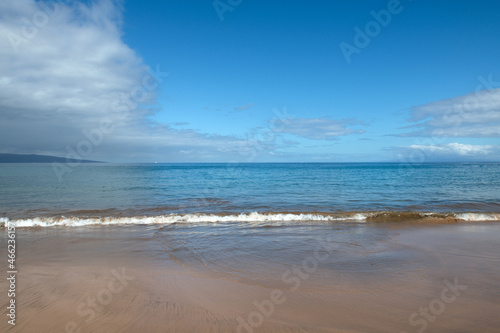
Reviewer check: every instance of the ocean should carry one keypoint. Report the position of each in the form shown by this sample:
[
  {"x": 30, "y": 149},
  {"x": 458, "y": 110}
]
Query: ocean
[{"x": 33, "y": 195}]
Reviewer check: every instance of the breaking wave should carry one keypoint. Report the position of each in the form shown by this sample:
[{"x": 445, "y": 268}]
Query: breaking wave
[{"x": 360, "y": 217}]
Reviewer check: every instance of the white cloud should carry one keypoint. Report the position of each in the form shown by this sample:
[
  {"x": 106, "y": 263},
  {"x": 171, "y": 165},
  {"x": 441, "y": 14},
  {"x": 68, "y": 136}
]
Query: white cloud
[
  {"x": 473, "y": 115},
  {"x": 446, "y": 152},
  {"x": 65, "y": 75},
  {"x": 456, "y": 149},
  {"x": 69, "y": 71}
]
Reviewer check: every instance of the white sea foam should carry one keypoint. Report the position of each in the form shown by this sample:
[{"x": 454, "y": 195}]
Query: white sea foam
[
  {"x": 213, "y": 218},
  {"x": 479, "y": 216},
  {"x": 187, "y": 218}
]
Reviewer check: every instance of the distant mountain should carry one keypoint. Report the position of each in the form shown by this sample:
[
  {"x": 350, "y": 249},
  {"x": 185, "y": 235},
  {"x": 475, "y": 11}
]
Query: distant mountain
[{"x": 33, "y": 158}]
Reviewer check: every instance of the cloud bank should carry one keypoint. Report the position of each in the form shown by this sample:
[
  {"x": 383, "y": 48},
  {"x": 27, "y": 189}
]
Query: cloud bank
[{"x": 68, "y": 79}]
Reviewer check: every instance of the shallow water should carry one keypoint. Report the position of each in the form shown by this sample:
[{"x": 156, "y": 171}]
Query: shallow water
[{"x": 285, "y": 253}]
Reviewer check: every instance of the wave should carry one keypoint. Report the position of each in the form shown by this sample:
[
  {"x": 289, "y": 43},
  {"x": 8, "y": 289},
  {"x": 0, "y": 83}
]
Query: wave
[{"x": 376, "y": 217}]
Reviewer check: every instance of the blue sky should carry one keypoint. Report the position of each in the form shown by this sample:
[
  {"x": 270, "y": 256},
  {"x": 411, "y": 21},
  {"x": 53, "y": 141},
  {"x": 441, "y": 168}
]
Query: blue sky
[{"x": 251, "y": 81}]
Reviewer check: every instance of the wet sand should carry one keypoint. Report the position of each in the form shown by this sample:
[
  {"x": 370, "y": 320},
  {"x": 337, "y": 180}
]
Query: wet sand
[{"x": 319, "y": 277}]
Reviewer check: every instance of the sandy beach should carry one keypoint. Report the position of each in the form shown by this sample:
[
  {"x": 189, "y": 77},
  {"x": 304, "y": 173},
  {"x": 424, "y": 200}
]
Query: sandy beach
[{"x": 409, "y": 278}]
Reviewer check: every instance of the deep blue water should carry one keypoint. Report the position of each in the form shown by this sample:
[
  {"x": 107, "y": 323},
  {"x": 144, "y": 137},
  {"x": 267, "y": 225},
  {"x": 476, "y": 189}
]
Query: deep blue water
[{"x": 28, "y": 190}]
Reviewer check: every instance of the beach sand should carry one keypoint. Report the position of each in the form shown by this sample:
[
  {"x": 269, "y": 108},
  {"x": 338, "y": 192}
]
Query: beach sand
[{"x": 409, "y": 278}]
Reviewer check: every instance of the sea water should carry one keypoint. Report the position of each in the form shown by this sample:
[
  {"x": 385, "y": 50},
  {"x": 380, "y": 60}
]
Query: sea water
[{"x": 33, "y": 195}]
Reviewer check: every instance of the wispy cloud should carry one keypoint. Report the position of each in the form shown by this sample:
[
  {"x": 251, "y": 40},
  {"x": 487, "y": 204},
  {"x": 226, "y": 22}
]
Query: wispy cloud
[
  {"x": 473, "y": 115},
  {"x": 319, "y": 128},
  {"x": 243, "y": 107}
]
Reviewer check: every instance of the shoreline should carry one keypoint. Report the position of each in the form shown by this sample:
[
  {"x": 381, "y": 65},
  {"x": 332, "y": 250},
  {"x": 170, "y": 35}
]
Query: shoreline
[{"x": 85, "y": 218}]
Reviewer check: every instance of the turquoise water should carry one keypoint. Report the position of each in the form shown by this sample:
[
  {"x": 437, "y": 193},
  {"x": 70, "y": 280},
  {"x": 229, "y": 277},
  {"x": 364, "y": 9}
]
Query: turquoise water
[{"x": 28, "y": 191}]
